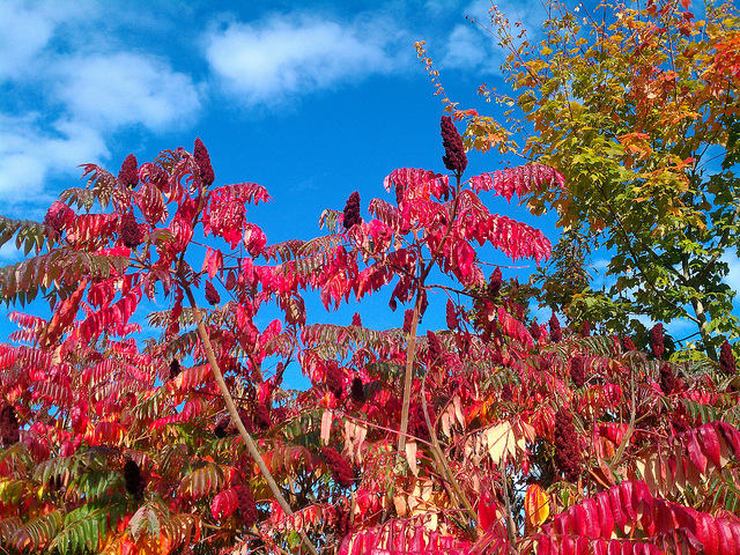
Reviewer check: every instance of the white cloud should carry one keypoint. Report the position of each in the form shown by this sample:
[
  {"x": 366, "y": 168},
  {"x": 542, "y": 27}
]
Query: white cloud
[
  {"x": 82, "y": 92},
  {"x": 470, "y": 47},
  {"x": 124, "y": 88},
  {"x": 283, "y": 57},
  {"x": 29, "y": 153},
  {"x": 466, "y": 48},
  {"x": 27, "y": 29}
]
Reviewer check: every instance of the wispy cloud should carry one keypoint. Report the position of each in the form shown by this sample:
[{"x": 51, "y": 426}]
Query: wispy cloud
[
  {"x": 122, "y": 88},
  {"x": 82, "y": 92},
  {"x": 29, "y": 152},
  {"x": 470, "y": 47},
  {"x": 284, "y": 57}
]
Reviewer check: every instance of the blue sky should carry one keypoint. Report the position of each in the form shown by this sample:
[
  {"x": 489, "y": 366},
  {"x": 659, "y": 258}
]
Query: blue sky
[{"x": 311, "y": 99}]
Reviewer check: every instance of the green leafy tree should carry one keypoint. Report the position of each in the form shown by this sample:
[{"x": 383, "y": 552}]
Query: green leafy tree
[{"x": 637, "y": 108}]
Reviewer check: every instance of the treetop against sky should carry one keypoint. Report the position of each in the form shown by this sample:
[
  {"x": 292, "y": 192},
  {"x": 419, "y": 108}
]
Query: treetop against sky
[{"x": 312, "y": 101}]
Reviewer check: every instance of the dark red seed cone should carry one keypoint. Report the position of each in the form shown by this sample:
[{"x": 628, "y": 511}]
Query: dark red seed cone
[
  {"x": 231, "y": 281},
  {"x": 129, "y": 172},
  {"x": 357, "y": 390},
  {"x": 130, "y": 231},
  {"x": 203, "y": 161},
  {"x": 657, "y": 340},
  {"x": 408, "y": 316},
  {"x": 133, "y": 479},
  {"x": 212, "y": 295},
  {"x": 356, "y": 320},
  {"x": 9, "y": 428},
  {"x": 556, "y": 332},
  {"x": 578, "y": 371},
  {"x": 339, "y": 467},
  {"x": 175, "y": 369},
  {"x": 451, "y": 315},
  {"x": 352, "y": 211},
  {"x": 335, "y": 380},
  {"x": 534, "y": 330},
  {"x": 246, "y": 505},
  {"x": 454, "y": 158},
  {"x": 668, "y": 380},
  {"x": 727, "y": 359},
  {"x": 568, "y": 457},
  {"x": 586, "y": 328}
]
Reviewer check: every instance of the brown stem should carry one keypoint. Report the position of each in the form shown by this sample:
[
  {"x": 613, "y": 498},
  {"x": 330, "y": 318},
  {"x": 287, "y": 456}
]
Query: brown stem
[
  {"x": 411, "y": 345},
  {"x": 231, "y": 407},
  {"x": 441, "y": 462},
  {"x": 408, "y": 376},
  {"x": 507, "y": 506}
]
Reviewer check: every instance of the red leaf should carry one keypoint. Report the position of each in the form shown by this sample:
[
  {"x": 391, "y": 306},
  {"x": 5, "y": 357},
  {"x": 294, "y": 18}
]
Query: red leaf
[{"x": 695, "y": 454}]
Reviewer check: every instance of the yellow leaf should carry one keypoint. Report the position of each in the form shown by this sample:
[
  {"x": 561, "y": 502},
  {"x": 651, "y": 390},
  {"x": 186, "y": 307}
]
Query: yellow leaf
[
  {"x": 501, "y": 442},
  {"x": 536, "y": 505}
]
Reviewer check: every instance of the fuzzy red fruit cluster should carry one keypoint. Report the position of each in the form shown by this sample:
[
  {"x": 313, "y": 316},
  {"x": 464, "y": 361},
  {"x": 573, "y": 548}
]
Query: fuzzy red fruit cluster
[
  {"x": 352, "y": 211},
  {"x": 128, "y": 175},
  {"x": 175, "y": 368},
  {"x": 334, "y": 380},
  {"x": 727, "y": 359},
  {"x": 451, "y": 315},
  {"x": 506, "y": 392},
  {"x": 657, "y": 340},
  {"x": 203, "y": 162},
  {"x": 246, "y": 505},
  {"x": 535, "y": 330},
  {"x": 568, "y": 457},
  {"x": 578, "y": 371},
  {"x": 131, "y": 234},
  {"x": 454, "y": 158},
  {"x": 340, "y": 468},
  {"x": 435, "y": 347},
  {"x": 133, "y": 479},
  {"x": 357, "y": 390},
  {"x": 9, "y": 428},
  {"x": 668, "y": 380},
  {"x": 556, "y": 332}
]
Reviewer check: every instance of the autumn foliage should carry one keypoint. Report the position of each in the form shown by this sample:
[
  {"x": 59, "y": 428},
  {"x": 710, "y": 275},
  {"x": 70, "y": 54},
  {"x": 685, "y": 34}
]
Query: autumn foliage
[{"x": 493, "y": 434}]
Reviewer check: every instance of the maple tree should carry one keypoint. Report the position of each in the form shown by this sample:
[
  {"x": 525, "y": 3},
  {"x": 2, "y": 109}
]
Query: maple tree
[
  {"x": 636, "y": 105},
  {"x": 492, "y": 435}
]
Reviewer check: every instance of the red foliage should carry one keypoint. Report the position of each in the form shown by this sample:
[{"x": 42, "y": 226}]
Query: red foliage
[{"x": 496, "y": 405}]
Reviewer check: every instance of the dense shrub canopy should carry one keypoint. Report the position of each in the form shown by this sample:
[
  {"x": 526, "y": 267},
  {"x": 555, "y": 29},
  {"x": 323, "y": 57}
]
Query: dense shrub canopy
[{"x": 495, "y": 433}]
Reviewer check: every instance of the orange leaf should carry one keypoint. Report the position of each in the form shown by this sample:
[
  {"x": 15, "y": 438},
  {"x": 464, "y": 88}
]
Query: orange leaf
[{"x": 536, "y": 505}]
